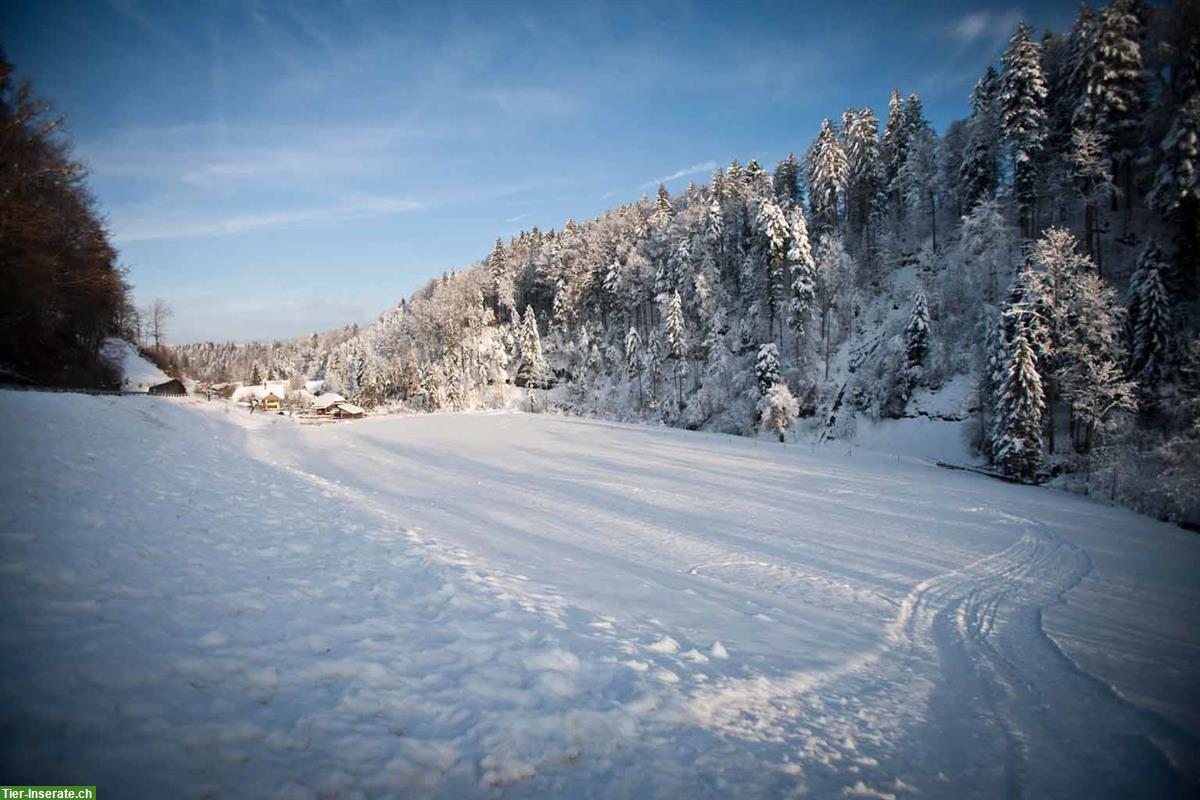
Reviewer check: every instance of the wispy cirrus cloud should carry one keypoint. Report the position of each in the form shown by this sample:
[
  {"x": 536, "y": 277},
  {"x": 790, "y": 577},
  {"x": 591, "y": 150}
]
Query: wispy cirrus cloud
[
  {"x": 986, "y": 27},
  {"x": 143, "y": 227},
  {"x": 694, "y": 169},
  {"x": 214, "y": 153}
]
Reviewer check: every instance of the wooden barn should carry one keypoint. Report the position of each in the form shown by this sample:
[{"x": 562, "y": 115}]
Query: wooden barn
[
  {"x": 345, "y": 410},
  {"x": 171, "y": 388}
]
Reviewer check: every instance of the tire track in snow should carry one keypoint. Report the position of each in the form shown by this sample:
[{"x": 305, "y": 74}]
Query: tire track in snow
[{"x": 969, "y": 693}]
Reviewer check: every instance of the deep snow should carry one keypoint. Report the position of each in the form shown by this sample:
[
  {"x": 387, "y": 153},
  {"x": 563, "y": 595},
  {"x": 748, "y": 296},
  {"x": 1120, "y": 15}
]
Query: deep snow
[{"x": 520, "y": 605}]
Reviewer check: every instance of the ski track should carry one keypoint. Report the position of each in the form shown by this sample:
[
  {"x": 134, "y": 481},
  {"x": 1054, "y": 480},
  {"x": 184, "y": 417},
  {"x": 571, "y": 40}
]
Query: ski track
[{"x": 482, "y": 677}]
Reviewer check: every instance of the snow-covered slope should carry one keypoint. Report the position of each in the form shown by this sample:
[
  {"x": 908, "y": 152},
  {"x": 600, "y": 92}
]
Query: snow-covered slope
[
  {"x": 520, "y": 605},
  {"x": 138, "y": 373},
  {"x": 936, "y": 426}
]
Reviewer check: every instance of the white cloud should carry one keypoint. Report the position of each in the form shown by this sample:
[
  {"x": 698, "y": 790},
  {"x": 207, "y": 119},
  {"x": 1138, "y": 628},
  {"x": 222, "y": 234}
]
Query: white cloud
[
  {"x": 706, "y": 166},
  {"x": 144, "y": 227},
  {"x": 986, "y": 26}
]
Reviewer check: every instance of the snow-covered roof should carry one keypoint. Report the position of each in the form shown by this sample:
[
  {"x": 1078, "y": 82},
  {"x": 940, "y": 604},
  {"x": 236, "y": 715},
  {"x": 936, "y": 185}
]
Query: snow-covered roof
[
  {"x": 328, "y": 399},
  {"x": 349, "y": 408}
]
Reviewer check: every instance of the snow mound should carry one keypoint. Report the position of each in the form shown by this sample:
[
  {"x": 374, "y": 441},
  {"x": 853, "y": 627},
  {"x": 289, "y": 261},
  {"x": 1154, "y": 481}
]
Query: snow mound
[{"x": 138, "y": 373}]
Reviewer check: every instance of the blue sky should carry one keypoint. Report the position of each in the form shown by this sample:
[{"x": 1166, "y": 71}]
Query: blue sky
[{"x": 277, "y": 168}]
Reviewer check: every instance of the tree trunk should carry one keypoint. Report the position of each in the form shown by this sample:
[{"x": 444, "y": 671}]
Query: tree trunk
[{"x": 933, "y": 219}]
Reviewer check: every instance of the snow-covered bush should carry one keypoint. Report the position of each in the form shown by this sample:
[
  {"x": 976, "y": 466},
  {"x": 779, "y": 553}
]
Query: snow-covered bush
[{"x": 777, "y": 410}]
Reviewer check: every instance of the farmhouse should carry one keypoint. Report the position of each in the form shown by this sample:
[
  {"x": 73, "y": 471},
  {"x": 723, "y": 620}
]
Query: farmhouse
[
  {"x": 171, "y": 388},
  {"x": 326, "y": 402},
  {"x": 344, "y": 410},
  {"x": 270, "y": 402}
]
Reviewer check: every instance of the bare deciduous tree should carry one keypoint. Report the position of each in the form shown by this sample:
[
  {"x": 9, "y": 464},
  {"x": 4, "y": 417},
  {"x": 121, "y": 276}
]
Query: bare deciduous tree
[{"x": 156, "y": 317}]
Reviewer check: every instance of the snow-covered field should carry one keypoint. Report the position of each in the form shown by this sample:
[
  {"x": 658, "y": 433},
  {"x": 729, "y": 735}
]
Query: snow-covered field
[{"x": 519, "y": 605}]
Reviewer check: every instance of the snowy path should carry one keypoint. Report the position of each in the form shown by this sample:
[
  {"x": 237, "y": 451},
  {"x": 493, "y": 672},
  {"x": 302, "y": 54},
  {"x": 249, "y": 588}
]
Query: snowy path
[{"x": 514, "y": 605}]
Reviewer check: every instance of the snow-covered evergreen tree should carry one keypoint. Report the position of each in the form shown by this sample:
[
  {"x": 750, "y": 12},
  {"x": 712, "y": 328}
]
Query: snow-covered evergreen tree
[
  {"x": 1178, "y": 178},
  {"x": 1022, "y": 403},
  {"x": 1023, "y": 118},
  {"x": 532, "y": 369},
  {"x": 663, "y": 210},
  {"x": 766, "y": 368},
  {"x": 634, "y": 360},
  {"x": 979, "y": 173},
  {"x": 676, "y": 342},
  {"x": 827, "y": 171},
  {"x": 787, "y": 182},
  {"x": 1115, "y": 82},
  {"x": 498, "y": 273},
  {"x": 864, "y": 171},
  {"x": 916, "y": 332},
  {"x": 894, "y": 146},
  {"x": 1150, "y": 313},
  {"x": 801, "y": 272}
]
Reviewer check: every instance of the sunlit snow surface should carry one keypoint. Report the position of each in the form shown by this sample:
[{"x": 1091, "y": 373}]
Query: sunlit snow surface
[{"x": 515, "y": 605}]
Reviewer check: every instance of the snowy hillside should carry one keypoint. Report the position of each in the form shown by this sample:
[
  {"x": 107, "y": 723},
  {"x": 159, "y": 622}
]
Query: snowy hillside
[
  {"x": 513, "y": 605},
  {"x": 138, "y": 373}
]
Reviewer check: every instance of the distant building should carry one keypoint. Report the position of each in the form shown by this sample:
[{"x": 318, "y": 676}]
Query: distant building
[
  {"x": 326, "y": 402},
  {"x": 344, "y": 410},
  {"x": 271, "y": 402},
  {"x": 171, "y": 388}
]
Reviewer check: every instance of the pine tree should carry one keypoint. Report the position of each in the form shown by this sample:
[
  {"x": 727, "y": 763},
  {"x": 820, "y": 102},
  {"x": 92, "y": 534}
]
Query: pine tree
[
  {"x": 653, "y": 366},
  {"x": 1150, "y": 315},
  {"x": 560, "y": 308},
  {"x": 863, "y": 169},
  {"x": 772, "y": 222},
  {"x": 827, "y": 169},
  {"x": 498, "y": 273},
  {"x": 1178, "y": 178},
  {"x": 1115, "y": 85},
  {"x": 1019, "y": 417},
  {"x": 895, "y": 142},
  {"x": 532, "y": 370},
  {"x": 980, "y": 169},
  {"x": 634, "y": 361},
  {"x": 1023, "y": 119},
  {"x": 801, "y": 272},
  {"x": 676, "y": 342},
  {"x": 916, "y": 183},
  {"x": 714, "y": 224},
  {"x": 766, "y": 368},
  {"x": 255, "y": 375},
  {"x": 916, "y": 332},
  {"x": 833, "y": 272},
  {"x": 1176, "y": 191},
  {"x": 663, "y": 210},
  {"x": 787, "y": 182},
  {"x": 758, "y": 180}
]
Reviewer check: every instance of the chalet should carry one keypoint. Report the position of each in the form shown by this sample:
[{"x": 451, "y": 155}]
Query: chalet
[
  {"x": 171, "y": 388},
  {"x": 344, "y": 410},
  {"x": 271, "y": 402},
  {"x": 326, "y": 402}
]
